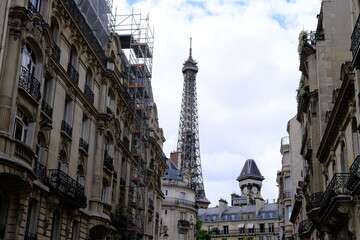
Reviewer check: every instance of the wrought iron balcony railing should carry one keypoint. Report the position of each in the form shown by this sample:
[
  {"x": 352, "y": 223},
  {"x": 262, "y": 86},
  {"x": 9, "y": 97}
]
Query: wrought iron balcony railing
[
  {"x": 73, "y": 74},
  {"x": 29, "y": 83},
  {"x": 68, "y": 187},
  {"x": 178, "y": 184},
  {"x": 305, "y": 227},
  {"x": 30, "y": 236},
  {"x": 183, "y": 224},
  {"x": 246, "y": 231},
  {"x": 66, "y": 128},
  {"x": 89, "y": 94},
  {"x": 45, "y": 107},
  {"x": 56, "y": 52},
  {"x": 83, "y": 145},
  {"x": 355, "y": 43},
  {"x": 179, "y": 202},
  {"x": 40, "y": 171},
  {"x": 108, "y": 161},
  {"x": 313, "y": 201},
  {"x": 336, "y": 190},
  {"x": 354, "y": 179}
]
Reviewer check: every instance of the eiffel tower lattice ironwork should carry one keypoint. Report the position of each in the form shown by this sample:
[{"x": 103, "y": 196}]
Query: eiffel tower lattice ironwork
[{"x": 188, "y": 137}]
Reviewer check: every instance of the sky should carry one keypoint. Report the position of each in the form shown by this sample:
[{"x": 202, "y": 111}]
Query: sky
[{"x": 246, "y": 85}]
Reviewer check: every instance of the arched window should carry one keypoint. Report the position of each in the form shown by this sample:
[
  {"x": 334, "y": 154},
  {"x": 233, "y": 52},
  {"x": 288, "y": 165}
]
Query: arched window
[
  {"x": 29, "y": 72},
  {"x": 21, "y": 126},
  {"x": 54, "y": 29}
]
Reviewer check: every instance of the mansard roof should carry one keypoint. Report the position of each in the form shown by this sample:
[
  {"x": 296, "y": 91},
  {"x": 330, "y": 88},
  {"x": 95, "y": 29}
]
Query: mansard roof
[{"x": 250, "y": 171}]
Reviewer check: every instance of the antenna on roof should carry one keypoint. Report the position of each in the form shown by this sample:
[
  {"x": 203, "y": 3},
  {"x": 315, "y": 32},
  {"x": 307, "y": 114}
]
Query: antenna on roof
[{"x": 190, "y": 46}]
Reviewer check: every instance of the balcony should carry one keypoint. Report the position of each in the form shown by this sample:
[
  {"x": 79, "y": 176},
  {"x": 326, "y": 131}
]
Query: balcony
[
  {"x": 83, "y": 145},
  {"x": 305, "y": 227},
  {"x": 65, "y": 127},
  {"x": 89, "y": 94},
  {"x": 29, "y": 83},
  {"x": 354, "y": 179},
  {"x": 40, "y": 171},
  {"x": 73, "y": 74},
  {"x": 287, "y": 194},
  {"x": 69, "y": 189},
  {"x": 355, "y": 43},
  {"x": 45, "y": 107},
  {"x": 56, "y": 53},
  {"x": 313, "y": 202},
  {"x": 336, "y": 192},
  {"x": 24, "y": 152},
  {"x": 183, "y": 226},
  {"x": 178, "y": 202},
  {"x": 248, "y": 231},
  {"x": 108, "y": 161}
]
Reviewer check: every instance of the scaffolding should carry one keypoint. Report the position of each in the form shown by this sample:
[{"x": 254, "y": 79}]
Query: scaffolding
[{"x": 136, "y": 38}]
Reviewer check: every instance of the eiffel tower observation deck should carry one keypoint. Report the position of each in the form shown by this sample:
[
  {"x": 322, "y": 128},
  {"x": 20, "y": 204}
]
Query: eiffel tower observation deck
[{"x": 188, "y": 137}]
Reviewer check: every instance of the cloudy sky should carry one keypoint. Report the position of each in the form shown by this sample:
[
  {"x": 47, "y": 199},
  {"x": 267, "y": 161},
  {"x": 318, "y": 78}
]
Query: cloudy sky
[{"x": 246, "y": 85}]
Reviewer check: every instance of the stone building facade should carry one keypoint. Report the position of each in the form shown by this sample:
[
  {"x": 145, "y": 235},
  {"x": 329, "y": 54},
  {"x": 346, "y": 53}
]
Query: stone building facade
[
  {"x": 179, "y": 210},
  {"x": 250, "y": 217},
  {"x": 328, "y": 111},
  {"x": 80, "y": 144}
]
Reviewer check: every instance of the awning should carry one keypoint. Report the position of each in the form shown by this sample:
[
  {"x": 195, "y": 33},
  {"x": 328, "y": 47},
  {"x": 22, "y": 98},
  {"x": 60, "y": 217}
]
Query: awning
[
  {"x": 250, "y": 225},
  {"x": 241, "y": 225}
]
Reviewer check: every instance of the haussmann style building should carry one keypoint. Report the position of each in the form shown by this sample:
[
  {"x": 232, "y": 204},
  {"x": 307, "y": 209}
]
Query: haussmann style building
[
  {"x": 249, "y": 217},
  {"x": 326, "y": 204},
  {"x": 80, "y": 145}
]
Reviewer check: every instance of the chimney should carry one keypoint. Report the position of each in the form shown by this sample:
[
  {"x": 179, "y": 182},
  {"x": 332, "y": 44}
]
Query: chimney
[
  {"x": 223, "y": 206},
  {"x": 175, "y": 158}
]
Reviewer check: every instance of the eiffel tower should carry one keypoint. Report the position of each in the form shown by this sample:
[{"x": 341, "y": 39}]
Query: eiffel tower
[{"x": 188, "y": 137}]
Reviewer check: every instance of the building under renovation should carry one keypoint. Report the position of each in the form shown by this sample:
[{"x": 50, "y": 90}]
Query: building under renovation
[{"x": 80, "y": 145}]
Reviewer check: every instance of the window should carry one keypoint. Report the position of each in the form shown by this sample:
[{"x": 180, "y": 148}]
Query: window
[
  {"x": 32, "y": 216},
  {"x": 355, "y": 138},
  {"x": 210, "y": 228},
  {"x": 226, "y": 229},
  {"x": 232, "y": 217},
  {"x": 75, "y": 230},
  {"x": 268, "y": 238},
  {"x": 56, "y": 226},
  {"x": 111, "y": 102},
  {"x": 262, "y": 227},
  {"x": 165, "y": 212},
  {"x": 182, "y": 215},
  {"x": 63, "y": 164},
  {"x": 251, "y": 215},
  {"x": 343, "y": 159},
  {"x": 73, "y": 57},
  {"x": 34, "y": 6},
  {"x": 261, "y": 237},
  {"x": 85, "y": 126},
  {"x": 166, "y": 192},
  {"x": 271, "y": 227},
  {"x": 80, "y": 175},
  {"x": 182, "y": 198},
  {"x": 21, "y": 126},
  {"x": 29, "y": 60},
  {"x": 68, "y": 109},
  {"x": 244, "y": 216},
  {"x": 286, "y": 158},
  {"x": 89, "y": 79},
  {"x": 105, "y": 192}
]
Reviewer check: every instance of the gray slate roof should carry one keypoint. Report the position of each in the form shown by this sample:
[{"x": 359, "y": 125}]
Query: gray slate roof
[{"x": 250, "y": 171}]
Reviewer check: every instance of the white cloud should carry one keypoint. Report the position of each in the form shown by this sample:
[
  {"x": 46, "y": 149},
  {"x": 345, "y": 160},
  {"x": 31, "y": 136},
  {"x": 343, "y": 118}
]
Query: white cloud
[{"x": 248, "y": 75}]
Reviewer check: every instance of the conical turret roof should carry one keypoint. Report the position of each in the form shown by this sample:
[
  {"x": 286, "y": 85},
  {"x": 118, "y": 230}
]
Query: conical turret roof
[{"x": 250, "y": 171}]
